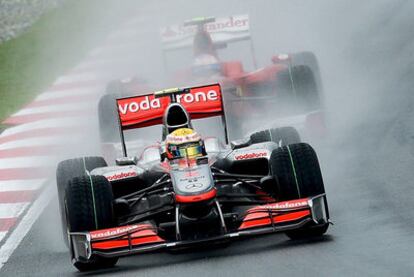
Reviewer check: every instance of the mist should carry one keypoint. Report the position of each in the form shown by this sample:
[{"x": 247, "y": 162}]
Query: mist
[{"x": 365, "y": 55}]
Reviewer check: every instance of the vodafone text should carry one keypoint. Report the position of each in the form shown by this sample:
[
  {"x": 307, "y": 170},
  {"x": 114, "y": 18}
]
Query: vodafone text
[
  {"x": 147, "y": 104},
  {"x": 249, "y": 156},
  {"x": 113, "y": 232},
  {"x": 286, "y": 205},
  {"x": 122, "y": 175}
]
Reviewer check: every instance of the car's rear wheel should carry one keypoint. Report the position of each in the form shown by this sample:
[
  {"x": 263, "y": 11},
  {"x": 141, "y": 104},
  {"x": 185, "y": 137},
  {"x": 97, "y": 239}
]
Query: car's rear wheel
[
  {"x": 108, "y": 119},
  {"x": 297, "y": 170},
  {"x": 304, "y": 87},
  {"x": 88, "y": 206},
  {"x": 65, "y": 172},
  {"x": 282, "y": 136},
  {"x": 309, "y": 59}
]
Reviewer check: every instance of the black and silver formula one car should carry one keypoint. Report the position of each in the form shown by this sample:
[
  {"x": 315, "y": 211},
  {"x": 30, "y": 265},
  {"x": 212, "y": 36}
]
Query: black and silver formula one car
[{"x": 188, "y": 190}]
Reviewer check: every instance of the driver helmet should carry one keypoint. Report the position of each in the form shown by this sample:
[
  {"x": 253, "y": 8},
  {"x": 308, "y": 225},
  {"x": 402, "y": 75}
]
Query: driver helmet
[
  {"x": 184, "y": 143},
  {"x": 203, "y": 44}
]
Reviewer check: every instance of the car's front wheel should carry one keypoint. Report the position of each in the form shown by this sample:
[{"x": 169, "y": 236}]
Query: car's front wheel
[
  {"x": 296, "y": 167},
  {"x": 67, "y": 170},
  {"x": 282, "y": 136},
  {"x": 88, "y": 206}
]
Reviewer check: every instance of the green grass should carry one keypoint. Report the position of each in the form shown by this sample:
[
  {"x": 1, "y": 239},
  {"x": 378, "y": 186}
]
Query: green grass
[{"x": 51, "y": 46}]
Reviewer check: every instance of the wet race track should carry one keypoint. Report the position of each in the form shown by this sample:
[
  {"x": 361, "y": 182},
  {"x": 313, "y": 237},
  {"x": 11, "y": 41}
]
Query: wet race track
[{"x": 365, "y": 53}]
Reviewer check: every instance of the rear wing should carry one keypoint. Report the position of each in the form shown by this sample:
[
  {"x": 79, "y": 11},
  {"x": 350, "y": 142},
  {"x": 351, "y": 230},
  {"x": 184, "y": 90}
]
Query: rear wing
[
  {"x": 222, "y": 30},
  {"x": 148, "y": 110}
]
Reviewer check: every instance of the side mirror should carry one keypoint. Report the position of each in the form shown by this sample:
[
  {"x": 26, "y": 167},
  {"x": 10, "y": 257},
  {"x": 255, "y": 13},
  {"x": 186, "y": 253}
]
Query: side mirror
[
  {"x": 240, "y": 143},
  {"x": 126, "y": 161}
]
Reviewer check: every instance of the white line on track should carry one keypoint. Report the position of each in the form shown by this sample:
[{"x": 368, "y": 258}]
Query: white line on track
[
  {"x": 3, "y": 234},
  {"x": 10, "y": 210},
  {"x": 43, "y": 141},
  {"x": 31, "y": 211},
  {"x": 97, "y": 63},
  {"x": 24, "y": 225},
  {"x": 57, "y": 108},
  {"x": 24, "y": 162},
  {"x": 47, "y": 123},
  {"x": 17, "y": 185},
  {"x": 53, "y": 94},
  {"x": 73, "y": 78}
]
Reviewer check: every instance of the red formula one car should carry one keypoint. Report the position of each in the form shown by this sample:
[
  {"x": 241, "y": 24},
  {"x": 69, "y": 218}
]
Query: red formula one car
[
  {"x": 187, "y": 190},
  {"x": 285, "y": 92},
  {"x": 288, "y": 90}
]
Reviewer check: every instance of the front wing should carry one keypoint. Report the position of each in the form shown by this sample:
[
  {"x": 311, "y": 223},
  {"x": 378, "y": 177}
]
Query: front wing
[{"x": 141, "y": 238}]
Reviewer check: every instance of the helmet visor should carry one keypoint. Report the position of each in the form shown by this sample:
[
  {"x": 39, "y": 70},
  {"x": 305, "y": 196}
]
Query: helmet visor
[{"x": 185, "y": 151}]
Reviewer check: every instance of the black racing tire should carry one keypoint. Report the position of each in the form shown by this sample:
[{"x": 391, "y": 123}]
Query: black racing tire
[
  {"x": 296, "y": 167},
  {"x": 305, "y": 88},
  {"x": 107, "y": 108},
  {"x": 108, "y": 119},
  {"x": 107, "y": 112},
  {"x": 309, "y": 59},
  {"x": 284, "y": 135},
  {"x": 66, "y": 171},
  {"x": 89, "y": 206}
]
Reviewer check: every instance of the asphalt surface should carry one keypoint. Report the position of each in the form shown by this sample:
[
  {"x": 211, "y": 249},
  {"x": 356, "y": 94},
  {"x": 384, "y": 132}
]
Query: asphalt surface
[{"x": 366, "y": 160}]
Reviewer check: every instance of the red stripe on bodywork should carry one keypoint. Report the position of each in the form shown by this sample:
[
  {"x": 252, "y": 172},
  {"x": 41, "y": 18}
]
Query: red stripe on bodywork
[
  {"x": 7, "y": 223},
  {"x": 256, "y": 216},
  {"x": 139, "y": 234},
  {"x": 196, "y": 198},
  {"x": 20, "y": 119},
  {"x": 276, "y": 219},
  {"x": 17, "y": 196},
  {"x": 24, "y": 173},
  {"x": 125, "y": 242}
]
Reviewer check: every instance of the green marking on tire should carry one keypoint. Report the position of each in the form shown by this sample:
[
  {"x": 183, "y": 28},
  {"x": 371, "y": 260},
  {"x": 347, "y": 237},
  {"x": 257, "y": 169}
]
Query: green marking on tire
[
  {"x": 294, "y": 170},
  {"x": 291, "y": 81},
  {"x": 93, "y": 194}
]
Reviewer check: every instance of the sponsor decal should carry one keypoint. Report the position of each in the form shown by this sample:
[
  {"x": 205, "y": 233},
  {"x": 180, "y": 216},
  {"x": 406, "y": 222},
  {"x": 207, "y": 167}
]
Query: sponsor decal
[
  {"x": 286, "y": 205},
  {"x": 121, "y": 175},
  {"x": 252, "y": 155},
  {"x": 237, "y": 23},
  {"x": 146, "y": 110},
  {"x": 194, "y": 178},
  {"x": 144, "y": 105},
  {"x": 194, "y": 186},
  {"x": 155, "y": 103},
  {"x": 198, "y": 96},
  {"x": 107, "y": 233}
]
